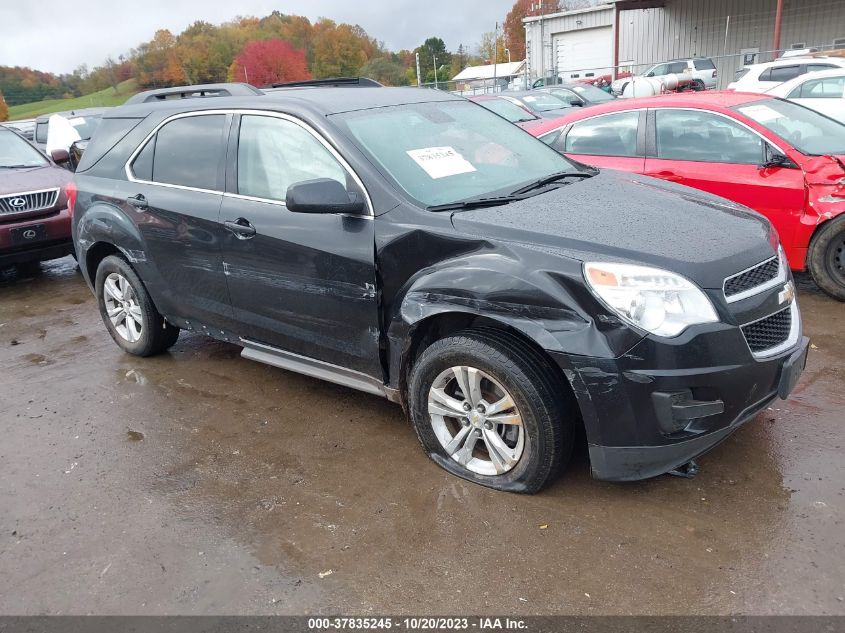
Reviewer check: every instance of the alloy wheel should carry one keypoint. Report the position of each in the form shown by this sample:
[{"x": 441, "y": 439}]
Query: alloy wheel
[
  {"x": 476, "y": 420},
  {"x": 122, "y": 307}
]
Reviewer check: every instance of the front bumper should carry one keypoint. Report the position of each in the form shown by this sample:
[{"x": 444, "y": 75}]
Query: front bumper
[
  {"x": 53, "y": 238},
  {"x": 639, "y": 409}
]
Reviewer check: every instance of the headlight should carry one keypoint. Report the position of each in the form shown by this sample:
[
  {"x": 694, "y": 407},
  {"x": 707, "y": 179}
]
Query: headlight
[{"x": 652, "y": 299}]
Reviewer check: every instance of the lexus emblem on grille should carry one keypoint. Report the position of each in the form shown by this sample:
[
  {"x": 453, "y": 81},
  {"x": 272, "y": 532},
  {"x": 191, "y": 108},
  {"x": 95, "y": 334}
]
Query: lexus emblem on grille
[
  {"x": 17, "y": 202},
  {"x": 29, "y": 234}
]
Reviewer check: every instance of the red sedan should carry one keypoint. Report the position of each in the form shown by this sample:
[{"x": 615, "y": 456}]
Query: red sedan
[{"x": 781, "y": 159}]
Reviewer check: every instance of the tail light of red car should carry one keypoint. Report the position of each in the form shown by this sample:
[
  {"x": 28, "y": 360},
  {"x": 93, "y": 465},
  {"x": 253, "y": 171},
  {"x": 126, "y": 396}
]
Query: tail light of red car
[{"x": 71, "y": 192}]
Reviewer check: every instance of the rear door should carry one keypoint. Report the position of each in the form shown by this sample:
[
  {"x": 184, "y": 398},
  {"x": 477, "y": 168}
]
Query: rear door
[
  {"x": 301, "y": 282},
  {"x": 614, "y": 141},
  {"x": 717, "y": 154},
  {"x": 173, "y": 195}
]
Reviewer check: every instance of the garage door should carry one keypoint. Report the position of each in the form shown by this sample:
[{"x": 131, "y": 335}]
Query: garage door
[{"x": 584, "y": 53}]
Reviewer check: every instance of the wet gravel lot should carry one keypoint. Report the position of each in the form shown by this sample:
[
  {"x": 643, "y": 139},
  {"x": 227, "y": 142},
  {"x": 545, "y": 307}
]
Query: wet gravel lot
[{"x": 199, "y": 482}]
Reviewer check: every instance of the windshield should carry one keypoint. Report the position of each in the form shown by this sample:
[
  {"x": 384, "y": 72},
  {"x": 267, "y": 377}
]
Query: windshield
[
  {"x": 507, "y": 109},
  {"x": 806, "y": 130},
  {"x": 591, "y": 93},
  {"x": 543, "y": 102},
  {"x": 449, "y": 151},
  {"x": 16, "y": 152}
]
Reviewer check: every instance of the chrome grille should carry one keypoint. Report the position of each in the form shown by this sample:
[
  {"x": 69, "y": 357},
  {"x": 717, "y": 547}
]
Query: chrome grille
[
  {"x": 29, "y": 201},
  {"x": 770, "y": 332}
]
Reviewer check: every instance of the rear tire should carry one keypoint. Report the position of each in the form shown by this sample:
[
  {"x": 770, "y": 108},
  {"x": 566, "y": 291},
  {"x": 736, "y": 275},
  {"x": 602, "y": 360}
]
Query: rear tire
[
  {"x": 826, "y": 258},
  {"x": 513, "y": 431},
  {"x": 128, "y": 311},
  {"x": 698, "y": 85}
]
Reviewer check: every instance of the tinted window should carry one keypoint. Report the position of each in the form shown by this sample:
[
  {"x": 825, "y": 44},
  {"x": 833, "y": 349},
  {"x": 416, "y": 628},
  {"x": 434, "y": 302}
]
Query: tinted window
[
  {"x": 766, "y": 75},
  {"x": 609, "y": 135},
  {"x": 142, "y": 166},
  {"x": 274, "y": 154},
  {"x": 704, "y": 64},
  {"x": 677, "y": 67},
  {"x": 784, "y": 73},
  {"x": 188, "y": 152},
  {"x": 705, "y": 137}
]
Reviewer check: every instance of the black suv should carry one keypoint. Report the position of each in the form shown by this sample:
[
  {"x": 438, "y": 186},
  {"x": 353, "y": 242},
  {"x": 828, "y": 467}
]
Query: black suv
[{"x": 411, "y": 244}]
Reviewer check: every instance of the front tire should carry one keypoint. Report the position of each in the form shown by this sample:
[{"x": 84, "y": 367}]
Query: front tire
[
  {"x": 826, "y": 258},
  {"x": 488, "y": 408},
  {"x": 128, "y": 311}
]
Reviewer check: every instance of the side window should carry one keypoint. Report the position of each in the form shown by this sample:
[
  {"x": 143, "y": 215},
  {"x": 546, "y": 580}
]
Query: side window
[
  {"x": 142, "y": 166},
  {"x": 274, "y": 154},
  {"x": 828, "y": 88},
  {"x": 658, "y": 71},
  {"x": 41, "y": 132},
  {"x": 184, "y": 152},
  {"x": 705, "y": 137},
  {"x": 677, "y": 68},
  {"x": 766, "y": 75},
  {"x": 785, "y": 73},
  {"x": 609, "y": 135},
  {"x": 811, "y": 68}
]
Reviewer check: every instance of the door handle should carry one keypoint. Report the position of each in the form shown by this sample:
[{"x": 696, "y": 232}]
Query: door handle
[
  {"x": 138, "y": 201},
  {"x": 241, "y": 227}
]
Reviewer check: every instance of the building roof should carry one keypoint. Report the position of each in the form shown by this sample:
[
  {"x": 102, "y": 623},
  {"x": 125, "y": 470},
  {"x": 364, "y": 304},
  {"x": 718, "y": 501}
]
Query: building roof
[
  {"x": 472, "y": 73},
  {"x": 608, "y": 4}
]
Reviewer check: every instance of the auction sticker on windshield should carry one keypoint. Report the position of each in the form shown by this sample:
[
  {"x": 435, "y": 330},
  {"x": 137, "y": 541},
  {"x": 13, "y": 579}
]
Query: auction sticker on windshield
[
  {"x": 761, "y": 113},
  {"x": 440, "y": 162}
]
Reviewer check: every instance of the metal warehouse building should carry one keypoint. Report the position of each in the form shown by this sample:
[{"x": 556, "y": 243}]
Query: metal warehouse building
[{"x": 635, "y": 34}]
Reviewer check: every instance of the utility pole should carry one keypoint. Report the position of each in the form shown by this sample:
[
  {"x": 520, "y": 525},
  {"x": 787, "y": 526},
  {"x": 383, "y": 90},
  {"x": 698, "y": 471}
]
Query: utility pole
[
  {"x": 434, "y": 57},
  {"x": 495, "y": 54},
  {"x": 419, "y": 82}
]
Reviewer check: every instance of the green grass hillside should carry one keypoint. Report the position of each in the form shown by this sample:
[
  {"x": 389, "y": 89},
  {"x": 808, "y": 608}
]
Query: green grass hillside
[{"x": 105, "y": 97}]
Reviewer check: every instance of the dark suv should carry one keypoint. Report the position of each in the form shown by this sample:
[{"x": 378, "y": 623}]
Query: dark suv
[
  {"x": 411, "y": 244},
  {"x": 34, "y": 216}
]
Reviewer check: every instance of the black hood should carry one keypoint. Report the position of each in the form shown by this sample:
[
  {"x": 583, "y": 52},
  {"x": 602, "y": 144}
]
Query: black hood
[{"x": 617, "y": 216}]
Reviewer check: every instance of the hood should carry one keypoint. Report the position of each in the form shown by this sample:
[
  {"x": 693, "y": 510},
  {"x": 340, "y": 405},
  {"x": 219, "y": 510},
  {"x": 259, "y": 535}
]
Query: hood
[
  {"x": 32, "y": 179},
  {"x": 617, "y": 216},
  {"x": 825, "y": 170}
]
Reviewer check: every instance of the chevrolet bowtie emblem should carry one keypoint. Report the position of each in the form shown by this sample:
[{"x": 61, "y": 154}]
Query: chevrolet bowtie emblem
[{"x": 787, "y": 294}]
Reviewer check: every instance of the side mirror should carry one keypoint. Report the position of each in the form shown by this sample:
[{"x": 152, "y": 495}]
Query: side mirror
[
  {"x": 322, "y": 195},
  {"x": 775, "y": 160},
  {"x": 578, "y": 103},
  {"x": 60, "y": 156}
]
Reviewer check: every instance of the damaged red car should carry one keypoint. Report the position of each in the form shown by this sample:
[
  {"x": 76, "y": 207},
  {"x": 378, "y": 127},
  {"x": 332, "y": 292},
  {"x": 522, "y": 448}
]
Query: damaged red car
[{"x": 781, "y": 159}]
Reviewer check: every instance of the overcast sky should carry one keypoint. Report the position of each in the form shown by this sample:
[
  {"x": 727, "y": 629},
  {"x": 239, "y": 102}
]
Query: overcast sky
[{"x": 58, "y": 36}]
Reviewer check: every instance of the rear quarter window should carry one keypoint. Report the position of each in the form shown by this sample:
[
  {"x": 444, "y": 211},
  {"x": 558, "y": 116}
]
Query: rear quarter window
[
  {"x": 704, "y": 64},
  {"x": 783, "y": 73},
  {"x": 109, "y": 133}
]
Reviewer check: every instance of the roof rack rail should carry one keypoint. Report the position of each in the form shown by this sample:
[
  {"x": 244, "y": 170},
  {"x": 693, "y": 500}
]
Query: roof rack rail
[
  {"x": 337, "y": 82},
  {"x": 199, "y": 91}
]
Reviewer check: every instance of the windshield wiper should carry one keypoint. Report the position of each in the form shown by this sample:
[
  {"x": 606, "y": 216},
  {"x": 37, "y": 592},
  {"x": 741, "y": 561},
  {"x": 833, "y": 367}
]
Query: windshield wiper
[
  {"x": 475, "y": 203},
  {"x": 551, "y": 178}
]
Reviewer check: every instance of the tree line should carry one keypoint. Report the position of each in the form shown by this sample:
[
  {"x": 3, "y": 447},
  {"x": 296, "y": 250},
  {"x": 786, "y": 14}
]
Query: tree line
[{"x": 274, "y": 48}]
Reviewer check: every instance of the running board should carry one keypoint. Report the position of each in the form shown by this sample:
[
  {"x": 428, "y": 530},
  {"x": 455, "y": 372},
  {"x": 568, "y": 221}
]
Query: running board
[{"x": 315, "y": 368}]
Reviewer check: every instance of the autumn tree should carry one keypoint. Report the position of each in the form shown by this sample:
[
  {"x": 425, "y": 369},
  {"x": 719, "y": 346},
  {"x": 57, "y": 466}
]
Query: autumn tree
[
  {"x": 157, "y": 63},
  {"x": 514, "y": 27},
  {"x": 492, "y": 46},
  {"x": 266, "y": 62},
  {"x": 340, "y": 50},
  {"x": 4, "y": 109},
  {"x": 385, "y": 70}
]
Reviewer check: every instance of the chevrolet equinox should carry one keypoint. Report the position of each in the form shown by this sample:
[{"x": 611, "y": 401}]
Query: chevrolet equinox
[{"x": 412, "y": 244}]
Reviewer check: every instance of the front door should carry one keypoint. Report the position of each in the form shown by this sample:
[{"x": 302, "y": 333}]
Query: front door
[
  {"x": 301, "y": 282},
  {"x": 716, "y": 154}
]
